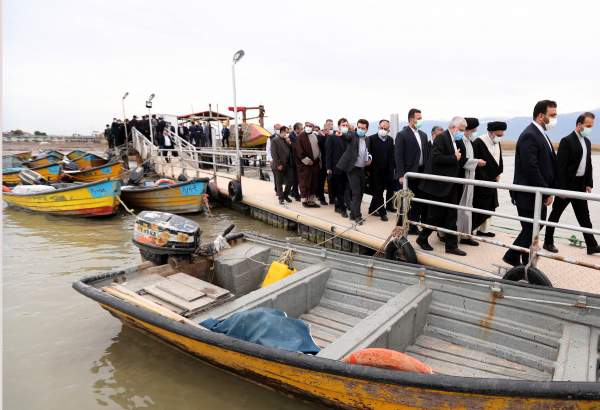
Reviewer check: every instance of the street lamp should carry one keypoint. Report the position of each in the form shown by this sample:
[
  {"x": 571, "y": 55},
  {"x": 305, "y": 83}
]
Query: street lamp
[
  {"x": 149, "y": 106},
  {"x": 236, "y": 57},
  {"x": 124, "y": 118}
]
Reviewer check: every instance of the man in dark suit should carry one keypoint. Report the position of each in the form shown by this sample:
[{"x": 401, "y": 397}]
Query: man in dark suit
[
  {"x": 335, "y": 146},
  {"x": 297, "y": 129},
  {"x": 381, "y": 148},
  {"x": 445, "y": 160},
  {"x": 574, "y": 166},
  {"x": 535, "y": 162},
  {"x": 282, "y": 163},
  {"x": 412, "y": 152}
]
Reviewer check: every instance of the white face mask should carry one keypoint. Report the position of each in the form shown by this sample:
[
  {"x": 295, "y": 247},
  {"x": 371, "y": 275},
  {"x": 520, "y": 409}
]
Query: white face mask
[
  {"x": 344, "y": 130},
  {"x": 552, "y": 123},
  {"x": 308, "y": 130},
  {"x": 382, "y": 133}
]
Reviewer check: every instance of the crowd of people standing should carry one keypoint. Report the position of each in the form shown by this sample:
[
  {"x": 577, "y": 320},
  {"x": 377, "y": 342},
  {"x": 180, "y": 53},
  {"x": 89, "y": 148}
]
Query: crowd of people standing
[{"x": 349, "y": 161}]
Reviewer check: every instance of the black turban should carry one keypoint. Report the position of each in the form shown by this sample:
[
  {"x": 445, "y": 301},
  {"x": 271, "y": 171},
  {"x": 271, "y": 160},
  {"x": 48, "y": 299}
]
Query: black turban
[
  {"x": 472, "y": 123},
  {"x": 496, "y": 126}
]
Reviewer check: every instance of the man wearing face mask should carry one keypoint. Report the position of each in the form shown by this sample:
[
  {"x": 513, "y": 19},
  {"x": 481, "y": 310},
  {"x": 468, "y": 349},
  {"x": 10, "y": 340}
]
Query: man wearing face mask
[
  {"x": 469, "y": 162},
  {"x": 535, "y": 162},
  {"x": 487, "y": 147},
  {"x": 353, "y": 161},
  {"x": 574, "y": 165},
  {"x": 282, "y": 164},
  {"x": 412, "y": 153},
  {"x": 294, "y": 138},
  {"x": 446, "y": 161},
  {"x": 308, "y": 159},
  {"x": 335, "y": 146},
  {"x": 322, "y": 136},
  {"x": 381, "y": 148}
]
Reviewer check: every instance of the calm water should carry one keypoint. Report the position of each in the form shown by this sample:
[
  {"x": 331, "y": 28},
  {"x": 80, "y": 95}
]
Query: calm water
[{"x": 62, "y": 351}]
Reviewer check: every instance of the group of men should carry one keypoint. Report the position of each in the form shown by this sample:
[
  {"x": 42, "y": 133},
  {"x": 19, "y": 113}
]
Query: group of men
[{"x": 306, "y": 157}]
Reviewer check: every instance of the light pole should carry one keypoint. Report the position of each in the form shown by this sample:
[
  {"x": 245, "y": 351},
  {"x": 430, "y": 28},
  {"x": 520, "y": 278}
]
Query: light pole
[
  {"x": 149, "y": 106},
  {"x": 124, "y": 118},
  {"x": 236, "y": 57}
]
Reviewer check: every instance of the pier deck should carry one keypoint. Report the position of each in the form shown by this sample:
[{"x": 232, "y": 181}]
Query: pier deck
[{"x": 485, "y": 259}]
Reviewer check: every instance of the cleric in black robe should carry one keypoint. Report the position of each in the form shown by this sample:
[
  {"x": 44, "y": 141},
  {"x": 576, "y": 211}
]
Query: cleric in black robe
[{"x": 487, "y": 147}]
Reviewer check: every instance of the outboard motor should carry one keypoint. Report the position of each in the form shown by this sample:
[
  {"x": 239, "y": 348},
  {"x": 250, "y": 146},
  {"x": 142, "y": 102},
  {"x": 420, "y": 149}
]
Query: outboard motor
[
  {"x": 159, "y": 235},
  {"x": 29, "y": 177}
]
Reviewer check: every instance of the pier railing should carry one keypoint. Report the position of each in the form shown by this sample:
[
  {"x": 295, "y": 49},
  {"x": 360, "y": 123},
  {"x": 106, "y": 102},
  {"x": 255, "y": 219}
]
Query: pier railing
[
  {"x": 534, "y": 250},
  {"x": 193, "y": 160}
]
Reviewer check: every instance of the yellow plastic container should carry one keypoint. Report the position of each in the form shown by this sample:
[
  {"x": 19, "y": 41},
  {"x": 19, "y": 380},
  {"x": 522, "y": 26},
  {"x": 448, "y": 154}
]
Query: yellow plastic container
[{"x": 276, "y": 272}]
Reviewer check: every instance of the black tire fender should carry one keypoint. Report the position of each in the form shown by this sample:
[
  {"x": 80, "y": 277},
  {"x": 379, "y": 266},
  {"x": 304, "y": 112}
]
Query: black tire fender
[
  {"x": 213, "y": 191},
  {"x": 534, "y": 276},
  {"x": 400, "y": 249},
  {"x": 235, "y": 190}
]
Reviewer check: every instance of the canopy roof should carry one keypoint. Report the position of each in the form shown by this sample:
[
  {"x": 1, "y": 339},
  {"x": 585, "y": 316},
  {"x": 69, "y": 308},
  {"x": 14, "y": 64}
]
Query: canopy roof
[{"x": 205, "y": 115}]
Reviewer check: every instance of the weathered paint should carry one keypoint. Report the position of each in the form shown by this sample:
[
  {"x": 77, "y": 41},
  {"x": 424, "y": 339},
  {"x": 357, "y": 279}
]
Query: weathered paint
[
  {"x": 47, "y": 160},
  {"x": 89, "y": 161},
  {"x": 95, "y": 199},
  {"x": 99, "y": 173},
  {"x": 342, "y": 391},
  {"x": 51, "y": 172},
  {"x": 183, "y": 197}
]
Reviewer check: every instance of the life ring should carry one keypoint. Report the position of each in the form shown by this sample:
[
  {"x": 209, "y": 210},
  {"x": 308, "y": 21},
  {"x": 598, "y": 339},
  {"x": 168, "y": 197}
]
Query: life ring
[
  {"x": 387, "y": 359},
  {"x": 235, "y": 190},
  {"x": 164, "y": 181},
  {"x": 400, "y": 249},
  {"x": 534, "y": 276}
]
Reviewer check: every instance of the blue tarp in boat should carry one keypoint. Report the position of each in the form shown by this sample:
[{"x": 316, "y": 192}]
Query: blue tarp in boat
[{"x": 267, "y": 327}]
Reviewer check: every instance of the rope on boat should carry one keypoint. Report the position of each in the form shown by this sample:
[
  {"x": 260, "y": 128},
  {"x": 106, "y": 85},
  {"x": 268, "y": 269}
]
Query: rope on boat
[{"x": 125, "y": 206}]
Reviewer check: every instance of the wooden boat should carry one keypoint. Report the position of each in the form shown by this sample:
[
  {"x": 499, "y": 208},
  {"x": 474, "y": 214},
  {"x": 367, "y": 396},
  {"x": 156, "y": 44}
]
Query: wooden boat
[
  {"x": 491, "y": 344},
  {"x": 111, "y": 170},
  {"x": 21, "y": 156},
  {"x": 179, "y": 198},
  {"x": 42, "y": 160},
  {"x": 75, "y": 154},
  {"x": 52, "y": 172},
  {"x": 10, "y": 176},
  {"x": 54, "y": 153},
  {"x": 11, "y": 161},
  {"x": 88, "y": 200},
  {"x": 89, "y": 160}
]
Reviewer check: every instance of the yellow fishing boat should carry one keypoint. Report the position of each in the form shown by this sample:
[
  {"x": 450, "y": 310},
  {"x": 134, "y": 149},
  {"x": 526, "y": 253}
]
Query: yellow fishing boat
[
  {"x": 51, "y": 172},
  {"x": 42, "y": 160},
  {"x": 176, "y": 197},
  {"x": 10, "y": 176},
  {"x": 93, "y": 199},
  {"x": 75, "y": 154},
  {"x": 491, "y": 344},
  {"x": 110, "y": 171},
  {"x": 89, "y": 160},
  {"x": 23, "y": 156}
]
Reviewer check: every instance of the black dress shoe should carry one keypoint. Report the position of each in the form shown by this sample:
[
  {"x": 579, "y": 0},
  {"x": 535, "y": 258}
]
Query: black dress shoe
[
  {"x": 456, "y": 251},
  {"x": 344, "y": 214},
  {"x": 281, "y": 202},
  {"x": 359, "y": 221},
  {"x": 550, "y": 247},
  {"x": 297, "y": 198},
  {"x": 306, "y": 205},
  {"x": 511, "y": 262},
  {"x": 488, "y": 234},
  {"x": 413, "y": 230},
  {"x": 314, "y": 205},
  {"x": 287, "y": 199},
  {"x": 384, "y": 218},
  {"x": 469, "y": 241},
  {"x": 323, "y": 202},
  {"x": 337, "y": 210},
  {"x": 592, "y": 250},
  {"x": 424, "y": 244}
]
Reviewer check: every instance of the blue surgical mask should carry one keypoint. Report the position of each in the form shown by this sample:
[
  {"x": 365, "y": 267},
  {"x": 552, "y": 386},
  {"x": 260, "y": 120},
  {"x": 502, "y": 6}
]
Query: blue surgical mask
[
  {"x": 586, "y": 132},
  {"x": 361, "y": 133},
  {"x": 458, "y": 135}
]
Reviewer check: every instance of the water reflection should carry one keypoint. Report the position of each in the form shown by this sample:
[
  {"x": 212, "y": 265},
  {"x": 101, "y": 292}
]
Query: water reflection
[{"x": 139, "y": 371}]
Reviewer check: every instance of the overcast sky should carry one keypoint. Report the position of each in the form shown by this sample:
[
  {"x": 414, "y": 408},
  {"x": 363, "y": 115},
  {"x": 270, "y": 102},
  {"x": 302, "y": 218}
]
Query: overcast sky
[{"x": 66, "y": 64}]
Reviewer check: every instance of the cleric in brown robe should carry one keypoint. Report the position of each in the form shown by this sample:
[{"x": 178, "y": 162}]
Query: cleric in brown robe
[
  {"x": 487, "y": 147},
  {"x": 308, "y": 162}
]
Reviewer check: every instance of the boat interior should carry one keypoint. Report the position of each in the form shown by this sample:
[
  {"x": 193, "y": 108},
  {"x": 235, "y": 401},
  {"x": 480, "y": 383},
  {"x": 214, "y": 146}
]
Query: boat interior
[{"x": 458, "y": 325}]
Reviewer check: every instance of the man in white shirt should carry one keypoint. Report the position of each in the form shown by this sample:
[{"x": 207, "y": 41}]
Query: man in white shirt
[{"x": 574, "y": 165}]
